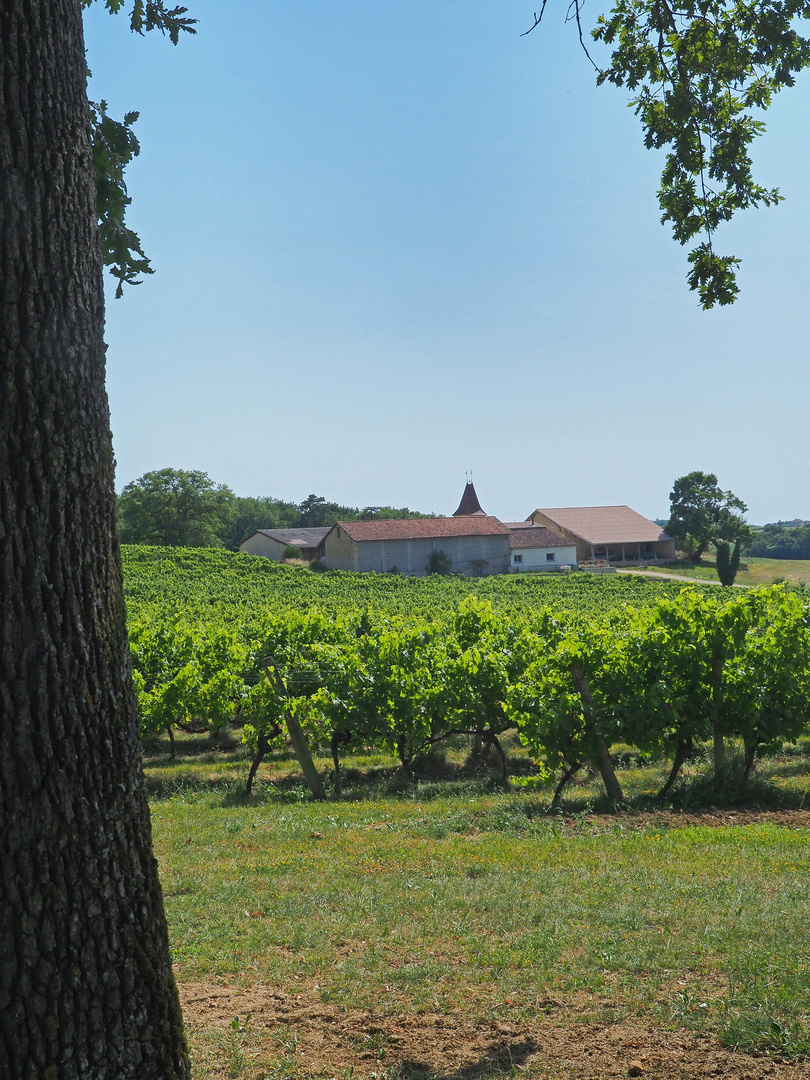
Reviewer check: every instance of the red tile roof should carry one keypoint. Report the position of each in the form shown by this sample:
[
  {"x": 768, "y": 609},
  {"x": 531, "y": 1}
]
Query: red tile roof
[
  {"x": 526, "y": 535},
  {"x": 423, "y": 528},
  {"x": 605, "y": 524}
]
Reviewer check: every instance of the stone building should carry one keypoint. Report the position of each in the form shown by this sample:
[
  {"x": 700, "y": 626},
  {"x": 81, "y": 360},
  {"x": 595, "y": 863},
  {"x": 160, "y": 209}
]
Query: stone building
[{"x": 476, "y": 545}]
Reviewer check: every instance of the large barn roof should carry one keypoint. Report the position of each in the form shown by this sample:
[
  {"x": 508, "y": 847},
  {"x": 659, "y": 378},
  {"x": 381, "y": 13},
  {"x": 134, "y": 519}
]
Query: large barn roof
[
  {"x": 423, "y": 528},
  {"x": 605, "y": 524}
]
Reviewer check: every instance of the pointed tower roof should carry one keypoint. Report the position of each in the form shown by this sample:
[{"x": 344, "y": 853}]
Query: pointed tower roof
[{"x": 469, "y": 505}]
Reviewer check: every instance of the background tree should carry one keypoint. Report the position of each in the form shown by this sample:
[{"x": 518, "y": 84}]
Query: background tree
[
  {"x": 174, "y": 508},
  {"x": 728, "y": 561},
  {"x": 781, "y": 542},
  {"x": 177, "y": 508},
  {"x": 315, "y": 511},
  {"x": 86, "y": 983},
  {"x": 246, "y": 515},
  {"x": 702, "y": 513},
  {"x": 439, "y": 563},
  {"x": 702, "y": 72}
]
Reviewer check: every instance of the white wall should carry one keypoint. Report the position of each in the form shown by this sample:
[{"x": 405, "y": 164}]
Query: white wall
[
  {"x": 263, "y": 545},
  {"x": 533, "y": 559}
]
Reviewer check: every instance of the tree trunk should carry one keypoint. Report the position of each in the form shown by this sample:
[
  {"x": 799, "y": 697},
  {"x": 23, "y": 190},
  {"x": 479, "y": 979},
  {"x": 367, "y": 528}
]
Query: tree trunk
[
  {"x": 262, "y": 747},
  {"x": 302, "y": 752},
  {"x": 478, "y": 745},
  {"x": 750, "y": 755},
  {"x": 718, "y": 744},
  {"x": 683, "y": 751},
  {"x": 568, "y": 772},
  {"x": 339, "y": 738},
  {"x": 603, "y": 762},
  {"x": 86, "y": 985},
  {"x": 491, "y": 739}
]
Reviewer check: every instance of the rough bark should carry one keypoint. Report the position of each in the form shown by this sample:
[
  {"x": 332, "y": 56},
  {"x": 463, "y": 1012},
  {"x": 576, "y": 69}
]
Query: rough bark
[
  {"x": 718, "y": 743},
  {"x": 339, "y": 738},
  {"x": 750, "y": 755},
  {"x": 568, "y": 772},
  {"x": 683, "y": 752},
  {"x": 603, "y": 762},
  {"x": 86, "y": 986},
  {"x": 302, "y": 752},
  {"x": 262, "y": 749},
  {"x": 491, "y": 739}
]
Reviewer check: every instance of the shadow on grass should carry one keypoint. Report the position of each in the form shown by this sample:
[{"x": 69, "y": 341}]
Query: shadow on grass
[
  {"x": 218, "y": 766},
  {"x": 501, "y": 1059}
]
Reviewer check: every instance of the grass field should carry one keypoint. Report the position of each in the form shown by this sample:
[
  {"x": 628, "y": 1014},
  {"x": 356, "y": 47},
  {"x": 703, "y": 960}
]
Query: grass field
[
  {"x": 751, "y": 572},
  {"x": 458, "y": 932},
  {"x": 444, "y": 928}
]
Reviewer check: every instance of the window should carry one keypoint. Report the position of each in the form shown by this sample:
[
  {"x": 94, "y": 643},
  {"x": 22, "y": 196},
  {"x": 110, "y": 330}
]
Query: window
[
  {"x": 338, "y": 532},
  {"x": 517, "y": 558},
  {"x": 550, "y": 556}
]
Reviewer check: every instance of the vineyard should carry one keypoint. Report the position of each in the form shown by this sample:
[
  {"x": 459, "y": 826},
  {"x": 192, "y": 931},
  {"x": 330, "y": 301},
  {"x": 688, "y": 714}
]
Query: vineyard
[{"x": 574, "y": 665}]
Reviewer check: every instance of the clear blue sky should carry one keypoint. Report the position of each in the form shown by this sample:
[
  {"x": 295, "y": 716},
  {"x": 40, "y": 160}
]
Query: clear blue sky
[{"x": 395, "y": 242}]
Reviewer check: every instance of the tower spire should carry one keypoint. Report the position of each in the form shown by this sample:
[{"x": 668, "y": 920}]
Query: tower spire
[{"x": 469, "y": 505}]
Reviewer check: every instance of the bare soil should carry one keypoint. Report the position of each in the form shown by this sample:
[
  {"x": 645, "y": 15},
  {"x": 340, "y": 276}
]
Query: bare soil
[
  {"x": 295, "y": 1035},
  {"x": 669, "y": 819},
  {"x": 320, "y": 1039}
]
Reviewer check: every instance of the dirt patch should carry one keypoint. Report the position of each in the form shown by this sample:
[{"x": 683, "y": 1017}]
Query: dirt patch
[
  {"x": 670, "y": 819},
  {"x": 294, "y": 1035}
]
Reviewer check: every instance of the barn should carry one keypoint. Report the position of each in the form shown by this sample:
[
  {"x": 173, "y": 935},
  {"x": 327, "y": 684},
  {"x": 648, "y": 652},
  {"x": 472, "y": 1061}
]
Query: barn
[
  {"x": 272, "y": 543},
  {"x": 476, "y": 545},
  {"x": 613, "y": 534}
]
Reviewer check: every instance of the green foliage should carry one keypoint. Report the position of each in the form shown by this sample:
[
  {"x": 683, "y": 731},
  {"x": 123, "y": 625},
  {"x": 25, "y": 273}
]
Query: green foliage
[
  {"x": 149, "y": 15},
  {"x": 702, "y": 513},
  {"x": 174, "y": 507},
  {"x": 115, "y": 145},
  {"x": 439, "y": 563},
  {"x": 781, "y": 542},
  {"x": 701, "y": 72},
  {"x": 430, "y": 658},
  {"x": 315, "y": 511},
  {"x": 247, "y": 514},
  {"x": 728, "y": 561},
  {"x": 185, "y": 674}
]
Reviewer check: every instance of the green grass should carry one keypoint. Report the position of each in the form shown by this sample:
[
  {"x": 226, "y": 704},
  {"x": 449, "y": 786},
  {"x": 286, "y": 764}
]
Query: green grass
[
  {"x": 220, "y": 763},
  {"x": 480, "y": 905},
  {"x": 752, "y": 571}
]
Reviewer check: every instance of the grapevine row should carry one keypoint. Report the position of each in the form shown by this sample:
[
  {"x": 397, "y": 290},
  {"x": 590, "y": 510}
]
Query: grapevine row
[{"x": 572, "y": 681}]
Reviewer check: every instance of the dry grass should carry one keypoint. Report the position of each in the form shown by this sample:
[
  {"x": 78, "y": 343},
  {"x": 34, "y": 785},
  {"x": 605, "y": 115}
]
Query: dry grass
[{"x": 751, "y": 572}]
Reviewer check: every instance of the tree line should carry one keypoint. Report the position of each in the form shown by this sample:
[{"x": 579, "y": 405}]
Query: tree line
[
  {"x": 179, "y": 508},
  {"x": 779, "y": 541}
]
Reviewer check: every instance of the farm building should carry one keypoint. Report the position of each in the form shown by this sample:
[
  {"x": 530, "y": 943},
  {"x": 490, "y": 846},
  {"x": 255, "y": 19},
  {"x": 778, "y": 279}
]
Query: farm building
[
  {"x": 614, "y": 534},
  {"x": 272, "y": 543},
  {"x": 477, "y": 545},
  {"x": 536, "y": 548}
]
